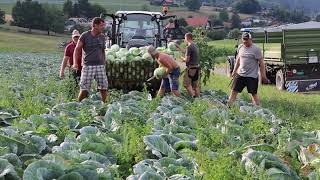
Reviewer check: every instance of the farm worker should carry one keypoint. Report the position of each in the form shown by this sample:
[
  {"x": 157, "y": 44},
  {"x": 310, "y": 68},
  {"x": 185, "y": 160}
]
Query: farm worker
[
  {"x": 246, "y": 70},
  {"x": 68, "y": 57},
  {"x": 170, "y": 80},
  {"x": 191, "y": 77},
  {"x": 92, "y": 43}
]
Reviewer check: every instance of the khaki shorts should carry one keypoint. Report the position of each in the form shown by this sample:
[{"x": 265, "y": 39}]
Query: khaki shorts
[{"x": 191, "y": 77}]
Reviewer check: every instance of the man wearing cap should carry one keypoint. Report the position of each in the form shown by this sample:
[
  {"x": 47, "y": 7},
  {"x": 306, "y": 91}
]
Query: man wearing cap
[
  {"x": 170, "y": 81},
  {"x": 68, "y": 58},
  {"x": 93, "y": 45},
  {"x": 246, "y": 70}
]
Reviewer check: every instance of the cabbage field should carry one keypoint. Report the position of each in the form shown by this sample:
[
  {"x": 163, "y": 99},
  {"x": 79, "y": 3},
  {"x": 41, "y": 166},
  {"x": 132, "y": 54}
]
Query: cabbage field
[{"x": 45, "y": 134}]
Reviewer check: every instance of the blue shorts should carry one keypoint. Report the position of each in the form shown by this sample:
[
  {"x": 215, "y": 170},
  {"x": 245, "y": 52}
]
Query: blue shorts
[{"x": 171, "y": 82}]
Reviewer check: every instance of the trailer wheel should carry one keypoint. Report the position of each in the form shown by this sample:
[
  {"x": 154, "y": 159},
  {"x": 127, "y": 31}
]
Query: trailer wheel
[{"x": 280, "y": 80}]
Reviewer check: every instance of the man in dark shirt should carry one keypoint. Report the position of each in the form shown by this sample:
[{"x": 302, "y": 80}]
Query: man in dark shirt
[
  {"x": 68, "y": 57},
  {"x": 93, "y": 45},
  {"x": 192, "y": 74}
]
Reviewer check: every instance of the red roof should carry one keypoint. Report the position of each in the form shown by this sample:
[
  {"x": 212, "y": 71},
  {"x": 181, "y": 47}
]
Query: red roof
[{"x": 197, "y": 21}]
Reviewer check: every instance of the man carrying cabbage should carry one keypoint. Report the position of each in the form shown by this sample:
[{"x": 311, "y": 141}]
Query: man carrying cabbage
[
  {"x": 192, "y": 75},
  {"x": 169, "y": 72}
]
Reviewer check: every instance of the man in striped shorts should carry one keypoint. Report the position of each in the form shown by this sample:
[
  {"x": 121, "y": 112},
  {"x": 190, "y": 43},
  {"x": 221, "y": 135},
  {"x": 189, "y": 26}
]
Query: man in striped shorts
[{"x": 93, "y": 45}]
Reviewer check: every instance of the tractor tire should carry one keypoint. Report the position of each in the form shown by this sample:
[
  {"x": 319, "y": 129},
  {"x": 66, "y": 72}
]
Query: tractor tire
[{"x": 280, "y": 80}]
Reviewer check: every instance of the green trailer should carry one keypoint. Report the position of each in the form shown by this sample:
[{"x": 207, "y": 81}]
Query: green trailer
[{"x": 291, "y": 56}]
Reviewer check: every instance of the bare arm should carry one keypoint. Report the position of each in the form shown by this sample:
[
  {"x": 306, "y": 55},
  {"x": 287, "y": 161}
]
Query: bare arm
[
  {"x": 186, "y": 59},
  {"x": 236, "y": 66},
  {"x": 263, "y": 70},
  {"x": 63, "y": 66},
  {"x": 166, "y": 64},
  {"x": 180, "y": 49},
  {"x": 77, "y": 55}
]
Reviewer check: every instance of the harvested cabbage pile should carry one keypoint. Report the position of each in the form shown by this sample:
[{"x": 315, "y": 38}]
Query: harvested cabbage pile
[{"x": 117, "y": 54}]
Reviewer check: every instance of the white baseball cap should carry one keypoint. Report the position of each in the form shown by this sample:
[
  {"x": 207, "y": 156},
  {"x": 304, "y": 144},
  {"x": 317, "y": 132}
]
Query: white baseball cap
[{"x": 75, "y": 33}]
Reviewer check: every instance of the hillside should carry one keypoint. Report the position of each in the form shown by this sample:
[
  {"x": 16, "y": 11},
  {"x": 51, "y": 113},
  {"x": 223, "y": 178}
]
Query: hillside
[
  {"x": 307, "y": 5},
  {"x": 114, "y": 5},
  {"x": 110, "y": 5},
  {"x": 17, "y": 40}
]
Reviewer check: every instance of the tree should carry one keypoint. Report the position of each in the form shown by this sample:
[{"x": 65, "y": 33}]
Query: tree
[
  {"x": 248, "y": 6},
  {"x": 224, "y": 15},
  {"x": 2, "y": 17},
  {"x": 33, "y": 15},
  {"x": 235, "y": 21},
  {"x": 234, "y": 34},
  {"x": 190, "y": 28},
  {"x": 216, "y": 34},
  {"x": 283, "y": 15},
  {"x": 206, "y": 55},
  {"x": 84, "y": 8},
  {"x": 298, "y": 16},
  {"x": 96, "y": 10},
  {"x": 318, "y": 18},
  {"x": 193, "y": 5},
  {"x": 280, "y": 14},
  {"x": 182, "y": 22},
  {"x": 68, "y": 8},
  {"x": 28, "y": 14},
  {"x": 17, "y": 14},
  {"x": 215, "y": 21},
  {"x": 76, "y": 10},
  {"x": 54, "y": 19}
]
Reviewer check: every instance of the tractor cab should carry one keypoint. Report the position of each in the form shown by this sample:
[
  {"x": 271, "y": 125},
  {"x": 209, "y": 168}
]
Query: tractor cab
[{"x": 136, "y": 28}]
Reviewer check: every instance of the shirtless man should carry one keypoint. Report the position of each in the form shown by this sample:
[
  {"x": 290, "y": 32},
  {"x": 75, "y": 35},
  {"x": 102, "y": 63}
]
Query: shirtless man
[{"x": 170, "y": 81}]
